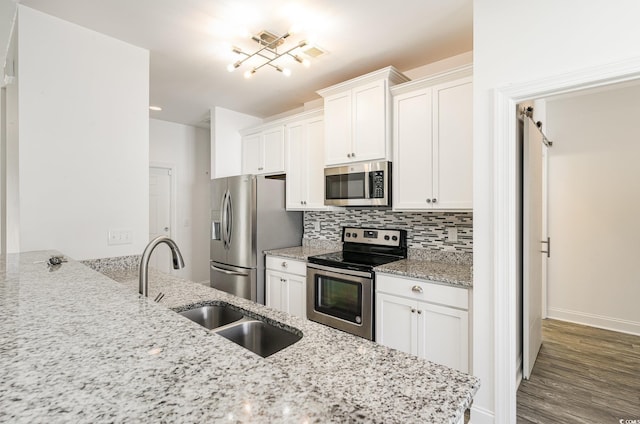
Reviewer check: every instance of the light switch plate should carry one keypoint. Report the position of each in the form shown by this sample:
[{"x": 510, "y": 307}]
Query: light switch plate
[
  {"x": 452, "y": 234},
  {"x": 120, "y": 236}
]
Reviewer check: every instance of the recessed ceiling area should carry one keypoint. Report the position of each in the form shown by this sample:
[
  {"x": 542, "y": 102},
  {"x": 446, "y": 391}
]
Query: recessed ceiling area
[{"x": 191, "y": 43}]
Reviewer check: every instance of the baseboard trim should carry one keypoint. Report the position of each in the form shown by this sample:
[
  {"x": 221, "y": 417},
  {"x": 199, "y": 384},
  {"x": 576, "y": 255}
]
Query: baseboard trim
[
  {"x": 481, "y": 416},
  {"x": 593, "y": 320}
]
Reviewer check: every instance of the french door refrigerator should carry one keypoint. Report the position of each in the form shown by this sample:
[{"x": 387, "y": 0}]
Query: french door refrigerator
[{"x": 248, "y": 216}]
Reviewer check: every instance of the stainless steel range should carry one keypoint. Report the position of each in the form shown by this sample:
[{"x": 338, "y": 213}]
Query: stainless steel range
[{"x": 341, "y": 285}]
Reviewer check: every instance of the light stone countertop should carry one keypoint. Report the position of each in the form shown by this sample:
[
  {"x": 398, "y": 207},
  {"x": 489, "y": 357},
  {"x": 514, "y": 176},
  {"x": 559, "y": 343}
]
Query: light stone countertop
[
  {"x": 300, "y": 253},
  {"x": 454, "y": 274},
  {"x": 77, "y": 346},
  {"x": 440, "y": 272}
]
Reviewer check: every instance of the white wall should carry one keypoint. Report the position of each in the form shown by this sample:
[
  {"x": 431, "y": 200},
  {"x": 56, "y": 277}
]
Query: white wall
[
  {"x": 187, "y": 149},
  {"x": 84, "y": 138},
  {"x": 226, "y": 146},
  {"x": 7, "y": 16},
  {"x": 519, "y": 42},
  {"x": 594, "y": 204}
]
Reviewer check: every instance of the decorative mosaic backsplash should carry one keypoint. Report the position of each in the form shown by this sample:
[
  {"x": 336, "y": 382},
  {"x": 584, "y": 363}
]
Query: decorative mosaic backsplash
[{"x": 425, "y": 230}]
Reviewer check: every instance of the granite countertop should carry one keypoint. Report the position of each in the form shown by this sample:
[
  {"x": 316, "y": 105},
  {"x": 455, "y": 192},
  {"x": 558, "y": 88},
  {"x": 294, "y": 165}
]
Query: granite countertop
[
  {"x": 77, "y": 346},
  {"x": 450, "y": 273},
  {"x": 299, "y": 252},
  {"x": 440, "y": 272}
]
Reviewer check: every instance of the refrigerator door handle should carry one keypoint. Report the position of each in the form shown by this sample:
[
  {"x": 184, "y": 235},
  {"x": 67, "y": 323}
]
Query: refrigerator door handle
[
  {"x": 230, "y": 218},
  {"x": 224, "y": 220},
  {"x": 225, "y": 271}
]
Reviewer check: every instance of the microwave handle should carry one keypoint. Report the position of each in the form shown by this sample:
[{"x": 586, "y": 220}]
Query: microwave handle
[{"x": 368, "y": 186}]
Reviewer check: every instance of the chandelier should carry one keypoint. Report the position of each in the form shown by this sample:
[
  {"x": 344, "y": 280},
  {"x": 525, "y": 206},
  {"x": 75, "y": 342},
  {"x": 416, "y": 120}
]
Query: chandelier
[{"x": 271, "y": 48}]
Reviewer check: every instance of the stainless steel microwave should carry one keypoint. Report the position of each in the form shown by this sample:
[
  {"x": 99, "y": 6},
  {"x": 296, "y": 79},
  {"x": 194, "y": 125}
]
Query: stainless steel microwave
[{"x": 358, "y": 184}]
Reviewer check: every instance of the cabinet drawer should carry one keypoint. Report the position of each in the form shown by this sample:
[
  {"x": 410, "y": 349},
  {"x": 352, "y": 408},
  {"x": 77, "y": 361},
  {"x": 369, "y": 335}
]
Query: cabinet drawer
[
  {"x": 422, "y": 290},
  {"x": 288, "y": 265}
]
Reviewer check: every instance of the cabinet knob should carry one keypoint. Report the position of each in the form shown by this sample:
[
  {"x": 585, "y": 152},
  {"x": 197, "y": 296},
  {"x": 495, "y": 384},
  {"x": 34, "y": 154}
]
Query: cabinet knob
[
  {"x": 301, "y": 202},
  {"x": 260, "y": 169},
  {"x": 419, "y": 311},
  {"x": 348, "y": 155},
  {"x": 283, "y": 280},
  {"x": 434, "y": 200},
  {"x": 416, "y": 289},
  {"x": 413, "y": 311},
  {"x": 353, "y": 155},
  {"x": 284, "y": 265},
  {"x": 428, "y": 200}
]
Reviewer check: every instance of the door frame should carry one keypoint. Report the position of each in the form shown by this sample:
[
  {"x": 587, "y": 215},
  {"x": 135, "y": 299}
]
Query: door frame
[
  {"x": 173, "y": 230},
  {"x": 504, "y": 214}
]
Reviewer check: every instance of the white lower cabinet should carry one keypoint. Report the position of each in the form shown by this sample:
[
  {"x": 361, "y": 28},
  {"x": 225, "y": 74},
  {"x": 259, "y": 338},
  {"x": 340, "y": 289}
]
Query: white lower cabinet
[
  {"x": 286, "y": 285},
  {"x": 424, "y": 319}
]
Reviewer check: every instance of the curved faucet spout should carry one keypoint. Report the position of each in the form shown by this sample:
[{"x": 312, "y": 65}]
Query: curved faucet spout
[{"x": 176, "y": 256}]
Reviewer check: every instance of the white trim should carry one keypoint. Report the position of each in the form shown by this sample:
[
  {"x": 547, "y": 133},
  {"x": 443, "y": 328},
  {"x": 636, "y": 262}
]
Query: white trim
[
  {"x": 519, "y": 372},
  {"x": 594, "y": 320},
  {"x": 481, "y": 416},
  {"x": 504, "y": 252}
]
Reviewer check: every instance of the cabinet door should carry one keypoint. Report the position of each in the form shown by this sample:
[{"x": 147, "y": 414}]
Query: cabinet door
[
  {"x": 412, "y": 167},
  {"x": 314, "y": 170},
  {"x": 251, "y": 154},
  {"x": 273, "y": 150},
  {"x": 337, "y": 127},
  {"x": 296, "y": 169},
  {"x": 453, "y": 144},
  {"x": 396, "y": 323},
  {"x": 297, "y": 295},
  {"x": 275, "y": 290},
  {"x": 443, "y": 335},
  {"x": 370, "y": 122}
]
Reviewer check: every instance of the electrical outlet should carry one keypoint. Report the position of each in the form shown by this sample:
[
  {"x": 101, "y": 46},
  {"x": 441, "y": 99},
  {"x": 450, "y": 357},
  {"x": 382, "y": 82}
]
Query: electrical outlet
[
  {"x": 120, "y": 236},
  {"x": 316, "y": 225},
  {"x": 452, "y": 234}
]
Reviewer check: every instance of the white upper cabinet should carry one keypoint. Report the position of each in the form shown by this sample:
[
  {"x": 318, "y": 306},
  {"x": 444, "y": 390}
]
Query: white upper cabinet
[
  {"x": 305, "y": 168},
  {"x": 263, "y": 150},
  {"x": 358, "y": 118},
  {"x": 433, "y": 143}
]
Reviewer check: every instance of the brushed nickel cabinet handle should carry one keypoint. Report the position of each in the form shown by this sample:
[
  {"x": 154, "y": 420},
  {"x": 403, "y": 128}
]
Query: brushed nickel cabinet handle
[{"x": 417, "y": 289}]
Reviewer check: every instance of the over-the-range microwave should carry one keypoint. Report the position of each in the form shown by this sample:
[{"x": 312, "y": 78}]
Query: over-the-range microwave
[{"x": 358, "y": 184}]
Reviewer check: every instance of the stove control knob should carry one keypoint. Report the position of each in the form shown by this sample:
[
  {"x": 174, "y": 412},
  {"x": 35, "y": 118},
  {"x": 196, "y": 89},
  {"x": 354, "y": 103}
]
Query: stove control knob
[
  {"x": 394, "y": 238},
  {"x": 386, "y": 237},
  {"x": 347, "y": 235},
  {"x": 355, "y": 235}
]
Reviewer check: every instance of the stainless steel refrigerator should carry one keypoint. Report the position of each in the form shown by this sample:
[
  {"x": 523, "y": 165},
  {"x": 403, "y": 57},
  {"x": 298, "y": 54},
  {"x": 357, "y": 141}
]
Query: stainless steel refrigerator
[{"x": 248, "y": 216}]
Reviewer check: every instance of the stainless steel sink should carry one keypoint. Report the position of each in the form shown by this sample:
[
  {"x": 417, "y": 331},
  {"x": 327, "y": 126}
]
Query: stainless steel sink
[
  {"x": 212, "y": 316},
  {"x": 259, "y": 337}
]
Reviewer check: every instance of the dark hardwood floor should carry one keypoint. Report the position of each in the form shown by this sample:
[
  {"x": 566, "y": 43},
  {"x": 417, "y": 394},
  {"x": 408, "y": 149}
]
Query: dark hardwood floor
[{"x": 582, "y": 375}]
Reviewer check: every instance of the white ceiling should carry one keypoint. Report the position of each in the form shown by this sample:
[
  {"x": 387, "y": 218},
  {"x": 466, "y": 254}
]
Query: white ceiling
[{"x": 190, "y": 41}]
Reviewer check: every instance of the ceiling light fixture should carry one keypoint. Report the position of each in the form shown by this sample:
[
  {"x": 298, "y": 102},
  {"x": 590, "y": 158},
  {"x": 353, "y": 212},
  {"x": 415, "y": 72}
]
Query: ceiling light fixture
[{"x": 269, "y": 44}]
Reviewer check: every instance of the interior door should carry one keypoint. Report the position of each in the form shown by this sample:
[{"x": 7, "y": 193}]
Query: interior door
[
  {"x": 532, "y": 246},
  {"x": 160, "y": 215}
]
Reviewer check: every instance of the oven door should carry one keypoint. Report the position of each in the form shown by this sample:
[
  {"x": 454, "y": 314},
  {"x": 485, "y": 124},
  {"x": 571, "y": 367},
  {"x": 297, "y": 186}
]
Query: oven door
[{"x": 341, "y": 299}]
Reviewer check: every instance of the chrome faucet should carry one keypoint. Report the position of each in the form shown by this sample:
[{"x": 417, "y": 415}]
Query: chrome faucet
[{"x": 178, "y": 262}]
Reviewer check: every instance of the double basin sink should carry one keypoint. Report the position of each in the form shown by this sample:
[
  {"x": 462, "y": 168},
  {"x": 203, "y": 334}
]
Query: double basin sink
[{"x": 258, "y": 336}]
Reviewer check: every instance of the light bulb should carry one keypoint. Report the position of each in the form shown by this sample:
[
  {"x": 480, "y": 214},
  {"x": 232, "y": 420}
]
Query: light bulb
[
  {"x": 230, "y": 67},
  {"x": 306, "y": 63},
  {"x": 248, "y": 74},
  {"x": 286, "y": 72}
]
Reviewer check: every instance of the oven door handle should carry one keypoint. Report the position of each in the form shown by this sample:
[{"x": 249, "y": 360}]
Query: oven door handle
[{"x": 336, "y": 270}]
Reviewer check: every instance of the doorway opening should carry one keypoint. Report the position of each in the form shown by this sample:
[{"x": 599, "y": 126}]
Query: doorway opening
[
  {"x": 592, "y": 217},
  {"x": 505, "y": 200},
  {"x": 161, "y": 213}
]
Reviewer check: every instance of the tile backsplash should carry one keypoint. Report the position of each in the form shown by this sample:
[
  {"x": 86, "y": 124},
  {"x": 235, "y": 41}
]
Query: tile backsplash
[{"x": 425, "y": 230}]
